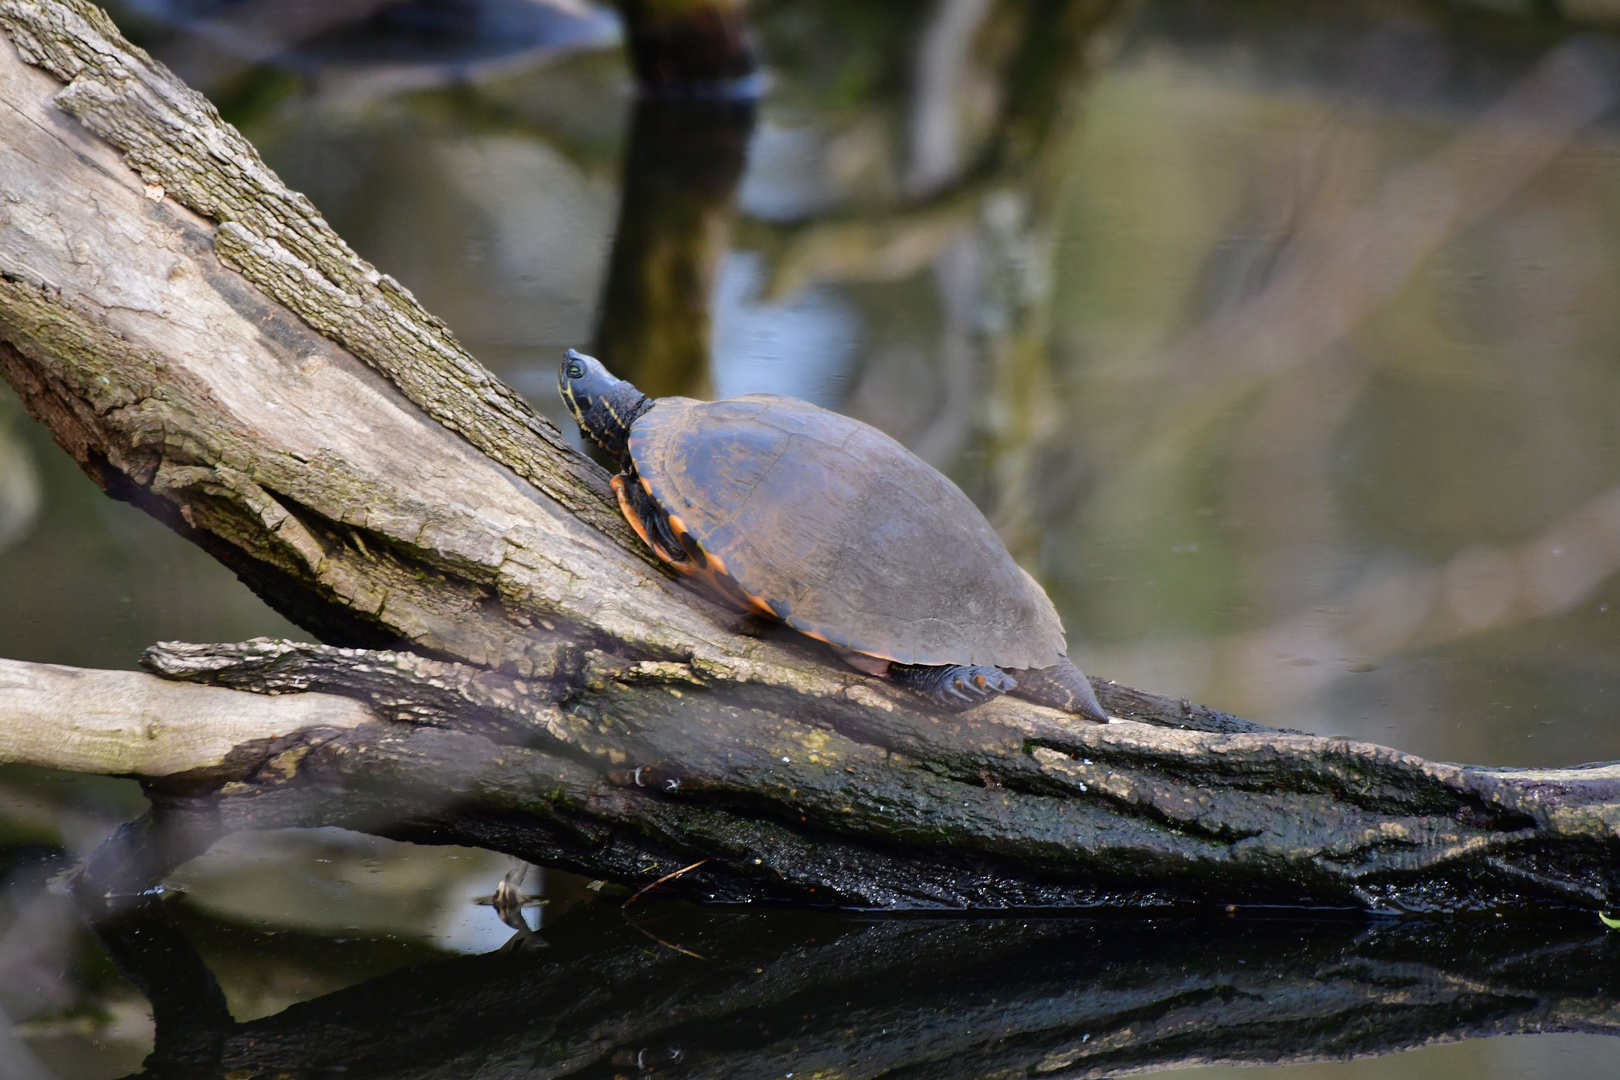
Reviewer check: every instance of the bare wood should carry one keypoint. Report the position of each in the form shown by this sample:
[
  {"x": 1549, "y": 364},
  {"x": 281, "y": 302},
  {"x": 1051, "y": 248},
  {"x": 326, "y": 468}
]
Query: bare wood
[
  {"x": 126, "y": 723},
  {"x": 194, "y": 335}
]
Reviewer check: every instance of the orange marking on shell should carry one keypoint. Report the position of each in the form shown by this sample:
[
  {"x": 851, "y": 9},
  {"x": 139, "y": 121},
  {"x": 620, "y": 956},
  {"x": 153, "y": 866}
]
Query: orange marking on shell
[
  {"x": 718, "y": 564},
  {"x": 719, "y": 578},
  {"x": 617, "y": 484},
  {"x": 755, "y": 604},
  {"x": 684, "y": 535}
]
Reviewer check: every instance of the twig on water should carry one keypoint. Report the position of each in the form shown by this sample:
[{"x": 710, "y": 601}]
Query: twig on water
[{"x": 660, "y": 881}]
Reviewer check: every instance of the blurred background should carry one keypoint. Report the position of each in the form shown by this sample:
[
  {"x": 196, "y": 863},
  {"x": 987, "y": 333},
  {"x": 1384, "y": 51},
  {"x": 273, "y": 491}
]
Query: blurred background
[{"x": 1277, "y": 337}]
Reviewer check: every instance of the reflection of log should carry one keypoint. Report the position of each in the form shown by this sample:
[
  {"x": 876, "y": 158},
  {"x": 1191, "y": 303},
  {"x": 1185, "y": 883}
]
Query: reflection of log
[
  {"x": 189, "y": 1015},
  {"x": 168, "y": 328},
  {"x": 835, "y": 996},
  {"x": 680, "y": 175}
]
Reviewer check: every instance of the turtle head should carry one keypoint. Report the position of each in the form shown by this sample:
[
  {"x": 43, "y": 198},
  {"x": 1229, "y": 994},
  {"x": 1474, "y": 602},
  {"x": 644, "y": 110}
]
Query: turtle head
[{"x": 604, "y": 407}]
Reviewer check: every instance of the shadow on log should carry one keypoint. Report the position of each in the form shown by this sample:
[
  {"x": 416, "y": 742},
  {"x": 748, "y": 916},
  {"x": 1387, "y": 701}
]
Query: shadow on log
[{"x": 674, "y": 992}]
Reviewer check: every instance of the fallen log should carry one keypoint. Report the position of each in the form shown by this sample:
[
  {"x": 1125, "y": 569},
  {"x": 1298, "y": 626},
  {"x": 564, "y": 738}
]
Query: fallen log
[
  {"x": 630, "y": 771},
  {"x": 206, "y": 347}
]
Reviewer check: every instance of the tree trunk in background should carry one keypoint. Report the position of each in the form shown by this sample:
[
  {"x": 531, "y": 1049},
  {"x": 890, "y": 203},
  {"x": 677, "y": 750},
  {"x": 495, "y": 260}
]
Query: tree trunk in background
[
  {"x": 205, "y": 346},
  {"x": 687, "y": 47},
  {"x": 675, "y": 213}
]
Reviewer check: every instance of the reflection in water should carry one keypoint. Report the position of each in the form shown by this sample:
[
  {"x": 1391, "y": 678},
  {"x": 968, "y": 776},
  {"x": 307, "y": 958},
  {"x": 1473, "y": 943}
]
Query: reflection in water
[
  {"x": 338, "y": 883},
  {"x": 497, "y": 176},
  {"x": 800, "y": 346},
  {"x": 19, "y": 487},
  {"x": 785, "y": 178},
  {"x": 943, "y": 72},
  {"x": 679, "y": 993},
  {"x": 1316, "y": 518},
  {"x": 1330, "y": 273},
  {"x": 366, "y": 47}
]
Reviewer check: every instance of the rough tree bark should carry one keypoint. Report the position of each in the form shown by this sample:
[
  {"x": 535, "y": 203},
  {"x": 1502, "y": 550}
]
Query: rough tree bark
[{"x": 206, "y": 347}]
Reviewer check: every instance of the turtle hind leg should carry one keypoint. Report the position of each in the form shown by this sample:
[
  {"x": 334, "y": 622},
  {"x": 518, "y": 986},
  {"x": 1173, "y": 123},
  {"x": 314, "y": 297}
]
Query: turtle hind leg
[
  {"x": 1061, "y": 686},
  {"x": 955, "y": 686}
]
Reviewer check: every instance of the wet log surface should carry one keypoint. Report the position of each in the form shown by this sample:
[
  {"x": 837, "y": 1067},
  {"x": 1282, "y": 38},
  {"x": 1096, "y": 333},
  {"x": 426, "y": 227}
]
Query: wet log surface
[
  {"x": 660, "y": 990},
  {"x": 206, "y": 347}
]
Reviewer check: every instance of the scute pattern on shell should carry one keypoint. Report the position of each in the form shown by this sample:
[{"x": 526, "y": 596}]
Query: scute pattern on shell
[{"x": 843, "y": 532}]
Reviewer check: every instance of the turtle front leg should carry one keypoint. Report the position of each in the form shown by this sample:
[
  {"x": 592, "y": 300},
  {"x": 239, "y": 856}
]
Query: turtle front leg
[
  {"x": 649, "y": 521},
  {"x": 955, "y": 686}
]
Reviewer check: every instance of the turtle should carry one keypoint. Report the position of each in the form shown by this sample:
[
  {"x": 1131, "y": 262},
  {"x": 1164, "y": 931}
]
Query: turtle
[{"x": 817, "y": 520}]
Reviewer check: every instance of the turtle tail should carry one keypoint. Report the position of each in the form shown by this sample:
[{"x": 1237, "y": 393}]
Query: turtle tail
[{"x": 1060, "y": 686}]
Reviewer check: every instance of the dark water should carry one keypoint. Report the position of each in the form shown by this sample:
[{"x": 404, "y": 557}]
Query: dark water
[{"x": 1278, "y": 339}]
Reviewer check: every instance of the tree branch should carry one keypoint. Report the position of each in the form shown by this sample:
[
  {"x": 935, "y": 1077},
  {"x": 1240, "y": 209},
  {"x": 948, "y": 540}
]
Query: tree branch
[
  {"x": 629, "y": 771},
  {"x": 126, "y": 723}
]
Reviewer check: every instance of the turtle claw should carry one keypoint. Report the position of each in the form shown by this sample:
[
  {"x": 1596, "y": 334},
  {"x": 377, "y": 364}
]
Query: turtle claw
[{"x": 955, "y": 686}]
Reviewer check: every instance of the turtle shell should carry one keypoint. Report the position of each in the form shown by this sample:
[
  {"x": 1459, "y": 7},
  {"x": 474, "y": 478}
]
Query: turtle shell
[{"x": 842, "y": 532}]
